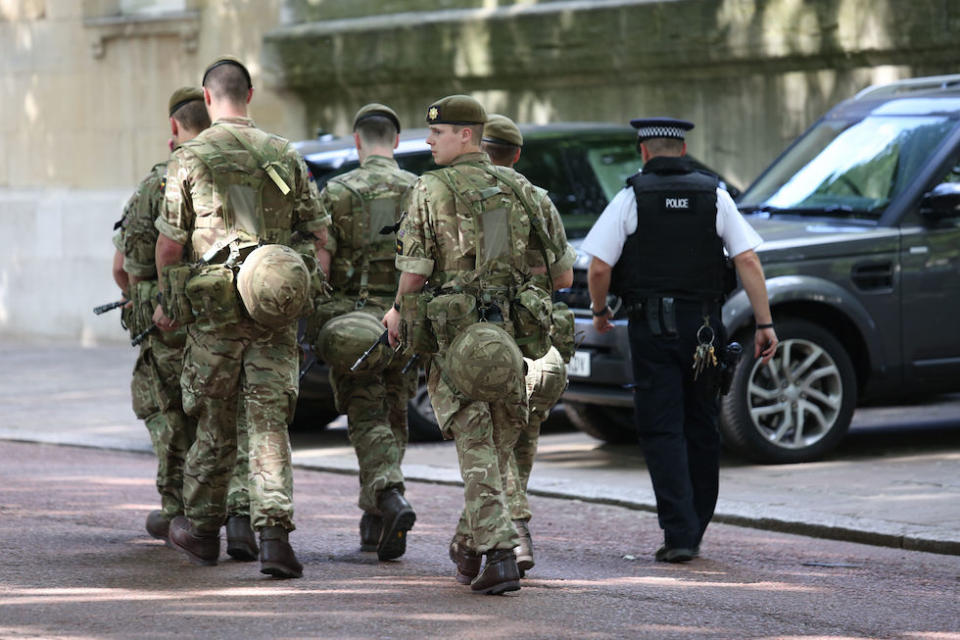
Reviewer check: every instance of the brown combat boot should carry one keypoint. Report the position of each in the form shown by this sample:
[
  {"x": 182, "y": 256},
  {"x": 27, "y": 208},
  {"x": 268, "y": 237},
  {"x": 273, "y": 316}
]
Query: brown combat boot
[
  {"x": 158, "y": 526},
  {"x": 370, "y": 528},
  {"x": 468, "y": 562},
  {"x": 241, "y": 540},
  {"x": 398, "y": 518},
  {"x": 201, "y": 548},
  {"x": 499, "y": 575},
  {"x": 524, "y": 550},
  {"x": 276, "y": 555}
]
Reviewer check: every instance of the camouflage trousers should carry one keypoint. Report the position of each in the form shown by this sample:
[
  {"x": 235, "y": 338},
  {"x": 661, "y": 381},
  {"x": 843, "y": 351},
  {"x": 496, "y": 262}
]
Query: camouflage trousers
[
  {"x": 376, "y": 408},
  {"x": 485, "y": 434},
  {"x": 156, "y": 400},
  {"x": 543, "y": 393},
  {"x": 258, "y": 364}
]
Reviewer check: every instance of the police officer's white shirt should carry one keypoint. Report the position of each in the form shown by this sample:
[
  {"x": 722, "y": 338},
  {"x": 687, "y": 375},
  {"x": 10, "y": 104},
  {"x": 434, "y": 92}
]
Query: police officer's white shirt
[{"x": 619, "y": 220}]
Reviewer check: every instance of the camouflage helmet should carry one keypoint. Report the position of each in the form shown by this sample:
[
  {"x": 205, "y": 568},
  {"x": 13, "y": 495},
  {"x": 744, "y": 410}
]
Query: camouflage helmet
[
  {"x": 274, "y": 285},
  {"x": 343, "y": 339},
  {"x": 546, "y": 381},
  {"x": 484, "y": 363}
]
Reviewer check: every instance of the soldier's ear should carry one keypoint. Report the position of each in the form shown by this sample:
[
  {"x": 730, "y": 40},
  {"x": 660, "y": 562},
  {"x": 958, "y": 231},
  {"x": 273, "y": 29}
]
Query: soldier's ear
[
  {"x": 174, "y": 127},
  {"x": 207, "y": 98},
  {"x": 396, "y": 141},
  {"x": 249, "y": 95}
]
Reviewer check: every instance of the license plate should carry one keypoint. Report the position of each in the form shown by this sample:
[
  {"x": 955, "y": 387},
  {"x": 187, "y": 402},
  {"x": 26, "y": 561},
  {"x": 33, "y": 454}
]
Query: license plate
[{"x": 579, "y": 365}]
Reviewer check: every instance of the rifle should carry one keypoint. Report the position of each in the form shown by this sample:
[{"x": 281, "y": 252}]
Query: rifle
[
  {"x": 384, "y": 339},
  {"x": 413, "y": 359},
  {"x": 312, "y": 361},
  {"x": 140, "y": 337},
  {"x": 110, "y": 306}
]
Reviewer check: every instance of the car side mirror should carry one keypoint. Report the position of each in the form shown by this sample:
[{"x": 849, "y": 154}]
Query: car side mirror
[{"x": 942, "y": 202}]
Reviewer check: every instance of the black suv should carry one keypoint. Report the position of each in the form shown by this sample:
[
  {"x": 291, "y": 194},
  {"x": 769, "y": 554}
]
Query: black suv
[
  {"x": 581, "y": 165},
  {"x": 860, "y": 218}
]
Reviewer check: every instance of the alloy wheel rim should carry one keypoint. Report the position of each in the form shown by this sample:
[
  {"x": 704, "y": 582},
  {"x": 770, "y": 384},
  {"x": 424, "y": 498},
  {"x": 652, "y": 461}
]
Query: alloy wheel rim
[{"x": 795, "y": 399}]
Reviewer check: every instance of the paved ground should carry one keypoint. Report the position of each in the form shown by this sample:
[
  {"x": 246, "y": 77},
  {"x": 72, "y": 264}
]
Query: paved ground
[
  {"x": 76, "y": 564},
  {"x": 885, "y": 486}
]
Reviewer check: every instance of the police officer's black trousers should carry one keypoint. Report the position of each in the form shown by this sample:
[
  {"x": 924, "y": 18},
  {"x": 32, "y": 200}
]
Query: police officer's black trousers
[{"x": 677, "y": 423}]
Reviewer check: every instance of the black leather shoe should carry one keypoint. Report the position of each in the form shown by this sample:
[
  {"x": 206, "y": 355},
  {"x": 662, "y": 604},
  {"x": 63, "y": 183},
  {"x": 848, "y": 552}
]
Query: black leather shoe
[
  {"x": 241, "y": 540},
  {"x": 468, "y": 563},
  {"x": 158, "y": 526},
  {"x": 524, "y": 550},
  {"x": 370, "y": 527},
  {"x": 675, "y": 554},
  {"x": 499, "y": 575},
  {"x": 200, "y": 548},
  {"x": 398, "y": 518},
  {"x": 276, "y": 555}
]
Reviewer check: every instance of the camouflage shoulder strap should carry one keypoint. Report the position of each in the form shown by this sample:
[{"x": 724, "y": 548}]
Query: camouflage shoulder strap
[{"x": 269, "y": 165}]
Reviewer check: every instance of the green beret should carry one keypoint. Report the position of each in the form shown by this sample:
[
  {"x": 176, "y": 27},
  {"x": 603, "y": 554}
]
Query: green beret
[
  {"x": 219, "y": 62},
  {"x": 459, "y": 109},
  {"x": 182, "y": 96},
  {"x": 501, "y": 130},
  {"x": 375, "y": 109}
]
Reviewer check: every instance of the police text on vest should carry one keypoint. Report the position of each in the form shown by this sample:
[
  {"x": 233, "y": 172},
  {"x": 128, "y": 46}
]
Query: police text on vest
[{"x": 678, "y": 203}]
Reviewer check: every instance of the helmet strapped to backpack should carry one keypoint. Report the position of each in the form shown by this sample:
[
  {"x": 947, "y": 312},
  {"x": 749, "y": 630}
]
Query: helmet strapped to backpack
[
  {"x": 274, "y": 285},
  {"x": 343, "y": 339},
  {"x": 483, "y": 362}
]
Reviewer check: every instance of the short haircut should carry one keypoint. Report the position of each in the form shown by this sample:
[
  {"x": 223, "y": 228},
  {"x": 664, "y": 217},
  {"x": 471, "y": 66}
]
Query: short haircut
[
  {"x": 667, "y": 146},
  {"x": 501, "y": 154},
  {"x": 228, "y": 82},
  {"x": 477, "y": 130},
  {"x": 193, "y": 116},
  {"x": 376, "y": 131}
]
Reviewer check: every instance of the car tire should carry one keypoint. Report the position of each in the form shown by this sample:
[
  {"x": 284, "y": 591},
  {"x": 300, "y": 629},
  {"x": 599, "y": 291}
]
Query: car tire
[
  {"x": 796, "y": 408},
  {"x": 613, "y": 425},
  {"x": 421, "y": 420}
]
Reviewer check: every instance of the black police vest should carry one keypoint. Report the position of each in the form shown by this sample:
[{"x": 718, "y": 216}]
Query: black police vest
[{"x": 675, "y": 251}]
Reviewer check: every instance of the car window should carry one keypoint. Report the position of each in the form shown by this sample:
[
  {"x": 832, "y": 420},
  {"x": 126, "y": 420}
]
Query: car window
[
  {"x": 843, "y": 167},
  {"x": 613, "y": 164}
]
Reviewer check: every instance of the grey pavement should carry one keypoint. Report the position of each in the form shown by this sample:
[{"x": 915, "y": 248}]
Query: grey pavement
[{"x": 901, "y": 496}]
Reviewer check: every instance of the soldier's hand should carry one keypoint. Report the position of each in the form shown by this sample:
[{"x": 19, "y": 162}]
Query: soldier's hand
[
  {"x": 391, "y": 320},
  {"x": 162, "y": 321},
  {"x": 602, "y": 322},
  {"x": 765, "y": 344}
]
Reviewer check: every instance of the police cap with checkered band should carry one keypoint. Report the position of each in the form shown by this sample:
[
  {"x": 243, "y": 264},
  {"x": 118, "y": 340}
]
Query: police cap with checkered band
[{"x": 648, "y": 128}]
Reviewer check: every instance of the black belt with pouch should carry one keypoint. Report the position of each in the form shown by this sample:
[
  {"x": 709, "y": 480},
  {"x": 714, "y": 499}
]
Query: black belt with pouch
[{"x": 660, "y": 314}]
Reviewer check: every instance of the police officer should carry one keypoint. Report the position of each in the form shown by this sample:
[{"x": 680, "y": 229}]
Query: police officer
[
  {"x": 546, "y": 377},
  {"x": 364, "y": 205},
  {"x": 156, "y": 376},
  {"x": 468, "y": 235},
  {"x": 230, "y": 189},
  {"x": 660, "y": 245}
]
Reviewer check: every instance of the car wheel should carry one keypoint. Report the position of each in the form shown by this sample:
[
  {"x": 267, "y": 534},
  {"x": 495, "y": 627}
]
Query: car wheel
[
  {"x": 614, "y": 425},
  {"x": 421, "y": 419},
  {"x": 798, "y": 406}
]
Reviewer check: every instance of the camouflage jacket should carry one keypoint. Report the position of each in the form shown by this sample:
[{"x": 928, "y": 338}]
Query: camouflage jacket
[
  {"x": 361, "y": 204},
  {"x": 465, "y": 227},
  {"x": 194, "y": 213},
  {"x": 137, "y": 233}
]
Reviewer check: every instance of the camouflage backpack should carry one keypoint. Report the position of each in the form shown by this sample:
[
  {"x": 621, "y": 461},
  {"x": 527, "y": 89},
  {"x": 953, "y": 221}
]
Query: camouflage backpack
[
  {"x": 139, "y": 233},
  {"x": 252, "y": 180},
  {"x": 364, "y": 261}
]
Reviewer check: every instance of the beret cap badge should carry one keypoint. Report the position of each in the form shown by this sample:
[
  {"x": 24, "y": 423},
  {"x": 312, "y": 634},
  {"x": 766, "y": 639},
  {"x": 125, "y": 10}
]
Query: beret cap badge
[{"x": 433, "y": 113}]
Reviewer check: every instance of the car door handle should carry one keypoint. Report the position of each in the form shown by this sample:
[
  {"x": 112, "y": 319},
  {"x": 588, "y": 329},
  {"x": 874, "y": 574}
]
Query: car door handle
[{"x": 873, "y": 276}]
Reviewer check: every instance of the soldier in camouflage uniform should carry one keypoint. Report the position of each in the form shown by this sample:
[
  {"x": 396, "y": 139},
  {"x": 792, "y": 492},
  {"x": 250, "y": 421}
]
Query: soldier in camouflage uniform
[
  {"x": 363, "y": 204},
  {"x": 233, "y": 187},
  {"x": 467, "y": 235},
  {"x": 546, "y": 377},
  {"x": 156, "y": 375}
]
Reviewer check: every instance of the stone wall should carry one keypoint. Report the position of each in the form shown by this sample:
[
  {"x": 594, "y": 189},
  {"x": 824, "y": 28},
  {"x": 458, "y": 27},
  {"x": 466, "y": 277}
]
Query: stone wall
[{"x": 751, "y": 73}]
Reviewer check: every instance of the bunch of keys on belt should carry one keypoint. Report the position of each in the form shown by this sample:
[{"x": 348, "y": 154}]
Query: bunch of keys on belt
[{"x": 704, "y": 355}]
